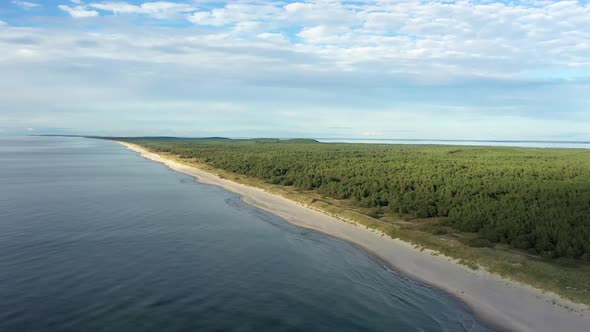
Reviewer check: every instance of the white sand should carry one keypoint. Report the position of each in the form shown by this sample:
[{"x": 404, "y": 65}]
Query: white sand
[{"x": 505, "y": 304}]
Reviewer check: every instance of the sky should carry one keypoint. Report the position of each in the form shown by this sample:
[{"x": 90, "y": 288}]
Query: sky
[{"x": 408, "y": 69}]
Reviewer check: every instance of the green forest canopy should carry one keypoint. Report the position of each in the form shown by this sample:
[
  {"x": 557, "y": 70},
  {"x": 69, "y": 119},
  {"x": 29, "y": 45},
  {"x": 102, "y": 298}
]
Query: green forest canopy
[{"x": 531, "y": 199}]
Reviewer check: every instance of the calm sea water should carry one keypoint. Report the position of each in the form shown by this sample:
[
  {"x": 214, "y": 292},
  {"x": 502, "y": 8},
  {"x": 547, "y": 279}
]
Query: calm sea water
[{"x": 95, "y": 238}]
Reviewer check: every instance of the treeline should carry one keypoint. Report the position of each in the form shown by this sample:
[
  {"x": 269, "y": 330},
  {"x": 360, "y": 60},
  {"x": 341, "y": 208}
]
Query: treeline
[{"x": 531, "y": 199}]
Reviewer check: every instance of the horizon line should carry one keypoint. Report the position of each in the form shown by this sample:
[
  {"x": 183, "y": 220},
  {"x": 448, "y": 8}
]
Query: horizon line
[{"x": 324, "y": 138}]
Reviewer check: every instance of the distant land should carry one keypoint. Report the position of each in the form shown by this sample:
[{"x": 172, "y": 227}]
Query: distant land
[
  {"x": 528, "y": 201},
  {"x": 516, "y": 213},
  {"x": 508, "y": 143}
]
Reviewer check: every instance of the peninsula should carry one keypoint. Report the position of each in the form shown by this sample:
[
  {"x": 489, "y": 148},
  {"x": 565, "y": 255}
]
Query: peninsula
[{"x": 505, "y": 286}]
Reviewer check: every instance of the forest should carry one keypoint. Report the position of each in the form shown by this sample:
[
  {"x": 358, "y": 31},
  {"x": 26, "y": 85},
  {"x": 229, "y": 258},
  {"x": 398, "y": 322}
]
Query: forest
[{"x": 536, "y": 200}]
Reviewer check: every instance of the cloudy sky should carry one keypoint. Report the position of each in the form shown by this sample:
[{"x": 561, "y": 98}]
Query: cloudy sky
[{"x": 371, "y": 69}]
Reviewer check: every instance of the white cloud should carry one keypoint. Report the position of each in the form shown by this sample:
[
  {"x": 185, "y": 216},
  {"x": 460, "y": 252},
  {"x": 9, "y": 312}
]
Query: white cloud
[
  {"x": 78, "y": 11},
  {"x": 25, "y": 4},
  {"x": 428, "y": 41},
  {"x": 380, "y": 22},
  {"x": 214, "y": 18},
  {"x": 493, "y": 39},
  {"x": 322, "y": 52},
  {"x": 150, "y": 80},
  {"x": 158, "y": 9},
  {"x": 234, "y": 13},
  {"x": 273, "y": 37},
  {"x": 248, "y": 27},
  {"x": 373, "y": 53},
  {"x": 2, "y": 23},
  {"x": 321, "y": 13},
  {"x": 325, "y": 34}
]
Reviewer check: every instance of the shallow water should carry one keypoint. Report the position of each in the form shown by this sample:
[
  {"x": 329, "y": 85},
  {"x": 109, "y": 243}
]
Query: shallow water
[{"x": 95, "y": 238}]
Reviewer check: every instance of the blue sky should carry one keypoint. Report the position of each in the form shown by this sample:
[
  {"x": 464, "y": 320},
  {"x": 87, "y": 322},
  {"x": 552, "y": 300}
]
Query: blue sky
[{"x": 324, "y": 68}]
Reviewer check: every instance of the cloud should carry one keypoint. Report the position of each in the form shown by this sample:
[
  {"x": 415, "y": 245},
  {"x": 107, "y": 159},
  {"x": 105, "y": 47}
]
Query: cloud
[
  {"x": 159, "y": 9},
  {"x": 2, "y": 23},
  {"x": 234, "y": 13},
  {"x": 272, "y": 37},
  {"x": 429, "y": 42},
  {"x": 78, "y": 11},
  {"x": 214, "y": 18},
  {"x": 25, "y": 4},
  {"x": 323, "y": 34},
  {"x": 492, "y": 39},
  {"x": 321, "y": 13},
  {"x": 375, "y": 64}
]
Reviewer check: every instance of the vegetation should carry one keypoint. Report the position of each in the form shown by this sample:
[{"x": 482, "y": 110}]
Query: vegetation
[
  {"x": 531, "y": 199},
  {"x": 523, "y": 213}
]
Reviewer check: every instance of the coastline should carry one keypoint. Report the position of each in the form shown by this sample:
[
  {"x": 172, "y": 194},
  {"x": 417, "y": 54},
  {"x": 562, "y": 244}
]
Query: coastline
[{"x": 501, "y": 303}]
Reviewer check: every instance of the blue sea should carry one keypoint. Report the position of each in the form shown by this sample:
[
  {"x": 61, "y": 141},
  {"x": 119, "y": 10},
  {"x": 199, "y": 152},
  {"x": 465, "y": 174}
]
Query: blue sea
[{"x": 95, "y": 238}]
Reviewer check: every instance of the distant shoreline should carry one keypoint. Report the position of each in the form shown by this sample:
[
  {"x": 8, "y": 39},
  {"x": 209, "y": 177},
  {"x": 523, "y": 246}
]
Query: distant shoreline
[
  {"x": 504, "y": 304},
  {"x": 543, "y": 144},
  {"x": 458, "y": 142},
  {"x": 451, "y": 140}
]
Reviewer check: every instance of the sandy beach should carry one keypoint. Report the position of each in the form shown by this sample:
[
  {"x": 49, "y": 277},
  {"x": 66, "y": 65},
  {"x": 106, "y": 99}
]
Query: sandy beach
[{"x": 504, "y": 304}]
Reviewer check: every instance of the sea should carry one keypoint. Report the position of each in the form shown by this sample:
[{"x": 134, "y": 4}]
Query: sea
[{"x": 93, "y": 237}]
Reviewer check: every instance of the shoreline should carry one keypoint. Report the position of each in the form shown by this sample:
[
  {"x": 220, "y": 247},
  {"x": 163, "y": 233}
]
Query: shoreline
[{"x": 499, "y": 303}]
